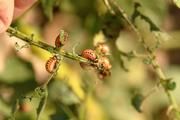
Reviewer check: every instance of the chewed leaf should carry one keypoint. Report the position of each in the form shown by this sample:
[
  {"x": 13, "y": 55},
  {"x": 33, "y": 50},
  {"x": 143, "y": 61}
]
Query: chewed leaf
[
  {"x": 177, "y": 2},
  {"x": 163, "y": 36},
  {"x": 17, "y": 46},
  {"x": 137, "y": 13},
  {"x": 137, "y": 101},
  {"x": 169, "y": 84}
]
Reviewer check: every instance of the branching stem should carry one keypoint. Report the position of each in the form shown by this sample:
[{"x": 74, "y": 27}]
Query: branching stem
[
  {"x": 30, "y": 40},
  {"x": 113, "y": 6}
]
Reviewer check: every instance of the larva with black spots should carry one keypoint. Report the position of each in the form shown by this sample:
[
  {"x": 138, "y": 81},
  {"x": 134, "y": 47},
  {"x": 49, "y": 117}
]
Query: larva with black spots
[
  {"x": 89, "y": 54},
  {"x": 51, "y": 64}
]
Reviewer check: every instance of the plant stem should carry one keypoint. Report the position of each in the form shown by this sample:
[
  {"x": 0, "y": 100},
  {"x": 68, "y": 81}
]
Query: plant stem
[
  {"x": 30, "y": 40},
  {"x": 42, "y": 103},
  {"x": 113, "y": 6},
  {"x": 132, "y": 54}
]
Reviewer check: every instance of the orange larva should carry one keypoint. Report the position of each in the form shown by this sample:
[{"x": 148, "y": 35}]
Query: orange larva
[
  {"x": 24, "y": 107},
  {"x": 89, "y": 54},
  {"x": 51, "y": 64},
  {"x": 61, "y": 39}
]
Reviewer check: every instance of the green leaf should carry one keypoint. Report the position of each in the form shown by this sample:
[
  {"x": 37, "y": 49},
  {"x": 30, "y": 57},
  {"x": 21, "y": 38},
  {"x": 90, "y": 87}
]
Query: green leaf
[
  {"x": 59, "y": 90},
  {"x": 122, "y": 64},
  {"x": 170, "y": 85},
  {"x": 5, "y": 109},
  {"x": 47, "y": 6},
  {"x": 137, "y": 101},
  {"x": 16, "y": 70},
  {"x": 15, "y": 108},
  {"x": 177, "y": 2},
  {"x": 112, "y": 25}
]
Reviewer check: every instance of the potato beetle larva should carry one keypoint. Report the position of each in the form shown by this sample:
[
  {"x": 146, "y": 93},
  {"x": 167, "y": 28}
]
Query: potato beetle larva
[
  {"x": 61, "y": 39},
  {"x": 51, "y": 64}
]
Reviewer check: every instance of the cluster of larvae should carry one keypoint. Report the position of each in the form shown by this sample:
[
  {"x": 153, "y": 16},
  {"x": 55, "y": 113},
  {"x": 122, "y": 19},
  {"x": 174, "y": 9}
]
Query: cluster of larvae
[{"x": 97, "y": 57}]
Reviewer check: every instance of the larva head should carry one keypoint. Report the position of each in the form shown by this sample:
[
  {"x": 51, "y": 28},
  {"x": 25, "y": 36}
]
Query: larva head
[
  {"x": 89, "y": 54},
  {"x": 51, "y": 64},
  {"x": 61, "y": 39}
]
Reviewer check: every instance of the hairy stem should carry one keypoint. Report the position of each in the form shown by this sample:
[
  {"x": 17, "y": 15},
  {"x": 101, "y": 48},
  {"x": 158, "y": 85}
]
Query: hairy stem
[{"x": 30, "y": 40}]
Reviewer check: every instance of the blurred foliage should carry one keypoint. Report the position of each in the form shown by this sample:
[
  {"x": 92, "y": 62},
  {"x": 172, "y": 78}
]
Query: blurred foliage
[
  {"x": 77, "y": 94},
  {"x": 16, "y": 65},
  {"x": 48, "y": 5},
  {"x": 136, "y": 13},
  {"x": 177, "y": 2},
  {"x": 137, "y": 101}
]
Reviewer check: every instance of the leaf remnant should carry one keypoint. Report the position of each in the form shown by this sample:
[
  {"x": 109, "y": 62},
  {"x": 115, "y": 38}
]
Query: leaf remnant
[{"x": 136, "y": 101}]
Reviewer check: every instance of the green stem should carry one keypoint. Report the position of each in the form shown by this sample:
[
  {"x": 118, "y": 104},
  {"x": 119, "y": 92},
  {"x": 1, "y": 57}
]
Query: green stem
[
  {"x": 113, "y": 6},
  {"x": 52, "y": 75},
  {"x": 132, "y": 54},
  {"x": 42, "y": 103},
  {"x": 162, "y": 77},
  {"x": 29, "y": 39}
]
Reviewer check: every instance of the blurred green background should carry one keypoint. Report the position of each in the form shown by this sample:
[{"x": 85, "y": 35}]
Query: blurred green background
[{"x": 78, "y": 94}]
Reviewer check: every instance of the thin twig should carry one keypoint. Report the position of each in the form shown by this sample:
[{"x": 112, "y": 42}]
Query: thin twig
[
  {"x": 132, "y": 54},
  {"x": 54, "y": 73}
]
